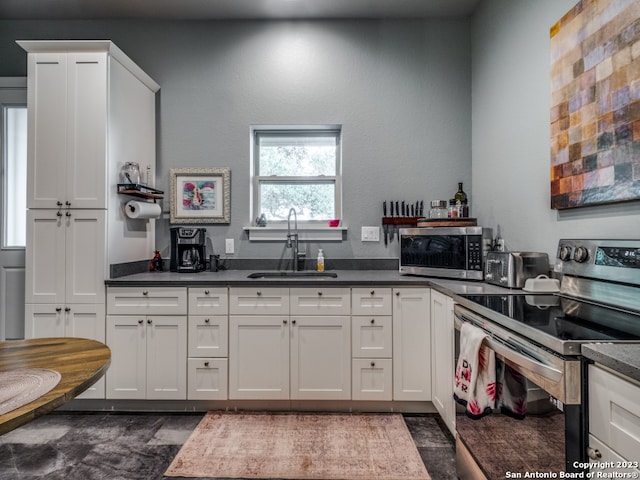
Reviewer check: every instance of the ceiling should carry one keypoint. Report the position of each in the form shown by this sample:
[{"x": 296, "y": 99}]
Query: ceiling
[{"x": 232, "y": 9}]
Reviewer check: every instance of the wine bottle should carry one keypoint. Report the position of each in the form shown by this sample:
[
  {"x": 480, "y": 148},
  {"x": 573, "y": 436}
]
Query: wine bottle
[{"x": 460, "y": 195}]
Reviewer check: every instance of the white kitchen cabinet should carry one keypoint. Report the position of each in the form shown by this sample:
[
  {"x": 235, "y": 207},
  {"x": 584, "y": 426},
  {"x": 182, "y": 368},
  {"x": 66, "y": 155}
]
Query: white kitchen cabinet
[
  {"x": 371, "y": 336},
  {"x": 65, "y": 260},
  {"x": 147, "y": 300},
  {"x": 411, "y": 344},
  {"x": 207, "y": 378},
  {"x": 442, "y": 357},
  {"x": 208, "y": 301},
  {"x": 275, "y": 355},
  {"x": 67, "y": 144},
  {"x": 372, "y": 379},
  {"x": 80, "y": 320},
  {"x": 614, "y": 420},
  {"x": 259, "y": 357},
  {"x": 371, "y": 301},
  {"x": 148, "y": 357},
  {"x": 208, "y": 336},
  {"x": 320, "y": 357}
]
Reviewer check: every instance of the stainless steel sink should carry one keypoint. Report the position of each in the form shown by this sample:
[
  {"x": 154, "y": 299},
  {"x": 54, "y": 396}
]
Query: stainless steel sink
[{"x": 283, "y": 274}]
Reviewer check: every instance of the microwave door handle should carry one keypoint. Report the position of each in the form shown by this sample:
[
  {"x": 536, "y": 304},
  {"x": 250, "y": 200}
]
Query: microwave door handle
[{"x": 547, "y": 371}]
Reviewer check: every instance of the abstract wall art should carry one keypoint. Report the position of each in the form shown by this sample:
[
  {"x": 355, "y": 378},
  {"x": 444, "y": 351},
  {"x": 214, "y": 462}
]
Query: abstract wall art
[
  {"x": 595, "y": 104},
  {"x": 200, "y": 195}
]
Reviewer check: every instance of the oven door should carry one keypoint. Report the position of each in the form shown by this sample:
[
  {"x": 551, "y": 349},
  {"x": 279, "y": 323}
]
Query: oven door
[{"x": 550, "y": 437}]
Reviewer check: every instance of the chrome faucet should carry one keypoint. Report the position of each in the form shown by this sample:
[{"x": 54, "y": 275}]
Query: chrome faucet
[{"x": 292, "y": 239}]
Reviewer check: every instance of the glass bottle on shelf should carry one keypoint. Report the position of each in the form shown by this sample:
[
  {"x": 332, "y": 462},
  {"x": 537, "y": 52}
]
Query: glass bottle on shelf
[
  {"x": 130, "y": 173},
  {"x": 460, "y": 195}
]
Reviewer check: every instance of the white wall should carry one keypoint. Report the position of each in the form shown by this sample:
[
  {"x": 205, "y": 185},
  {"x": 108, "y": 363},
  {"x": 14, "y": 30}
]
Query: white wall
[
  {"x": 510, "y": 140},
  {"x": 401, "y": 90}
]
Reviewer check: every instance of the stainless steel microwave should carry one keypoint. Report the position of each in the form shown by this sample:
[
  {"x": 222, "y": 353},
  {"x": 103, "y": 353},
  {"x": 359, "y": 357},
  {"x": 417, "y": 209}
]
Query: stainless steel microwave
[{"x": 451, "y": 252}]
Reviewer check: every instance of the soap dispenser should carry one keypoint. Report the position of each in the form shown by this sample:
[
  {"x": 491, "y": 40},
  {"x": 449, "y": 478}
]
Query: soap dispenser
[{"x": 320, "y": 264}]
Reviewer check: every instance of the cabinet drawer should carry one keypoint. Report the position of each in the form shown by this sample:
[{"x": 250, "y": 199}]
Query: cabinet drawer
[
  {"x": 207, "y": 379},
  {"x": 259, "y": 301},
  {"x": 208, "y": 301},
  {"x": 371, "y": 337},
  {"x": 208, "y": 336},
  {"x": 614, "y": 461},
  {"x": 320, "y": 301},
  {"x": 146, "y": 300},
  {"x": 371, "y": 301},
  {"x": 371, "y": 379},
  {"x": 614, "y": 412}
]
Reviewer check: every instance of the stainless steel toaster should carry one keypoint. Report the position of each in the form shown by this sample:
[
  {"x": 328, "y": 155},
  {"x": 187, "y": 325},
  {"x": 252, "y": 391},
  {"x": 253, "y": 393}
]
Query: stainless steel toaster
[{"x": 512, "y": 269}]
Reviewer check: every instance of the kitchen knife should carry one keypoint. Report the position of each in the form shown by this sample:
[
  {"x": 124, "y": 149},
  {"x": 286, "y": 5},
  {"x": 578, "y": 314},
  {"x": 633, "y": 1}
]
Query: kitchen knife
[
  {"x": 385, "y": 227},
  {"x": 421, "y": 208}
]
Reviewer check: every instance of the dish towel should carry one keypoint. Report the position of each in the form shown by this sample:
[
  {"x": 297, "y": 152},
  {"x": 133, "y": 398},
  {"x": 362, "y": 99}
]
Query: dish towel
[
  {"x": 513, "y": 391},
  {"x": 475, "y": 380}
]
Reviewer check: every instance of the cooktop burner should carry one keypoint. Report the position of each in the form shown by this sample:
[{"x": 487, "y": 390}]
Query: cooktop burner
[{"x": 568, "y": 321}]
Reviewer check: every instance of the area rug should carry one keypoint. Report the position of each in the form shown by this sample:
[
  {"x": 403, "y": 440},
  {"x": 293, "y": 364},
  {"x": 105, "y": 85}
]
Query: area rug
[
  {"x": 22, "y": 386},
  {"x": 300, "y": 446}
]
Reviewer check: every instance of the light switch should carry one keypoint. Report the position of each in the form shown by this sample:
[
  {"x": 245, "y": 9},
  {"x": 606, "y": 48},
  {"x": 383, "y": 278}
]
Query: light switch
[
  {"x": 229, "y": 246},
  {"x": 370, "y": 234}
]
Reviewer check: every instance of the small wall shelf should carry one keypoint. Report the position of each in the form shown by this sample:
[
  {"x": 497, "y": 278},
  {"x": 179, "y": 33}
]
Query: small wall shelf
[{"x": 141, "y": 191}]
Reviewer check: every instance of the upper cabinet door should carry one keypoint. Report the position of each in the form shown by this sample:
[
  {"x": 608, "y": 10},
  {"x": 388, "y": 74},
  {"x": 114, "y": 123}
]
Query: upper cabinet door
[
  {"x": 87, "y": 130},
  {"x": 67, "y": 101},
  {"x": 47, "y": 138}
]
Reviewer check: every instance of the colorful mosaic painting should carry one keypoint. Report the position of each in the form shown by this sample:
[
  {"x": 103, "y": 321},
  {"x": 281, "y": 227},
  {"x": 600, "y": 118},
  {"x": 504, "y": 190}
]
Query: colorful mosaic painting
[{"x": 595, "y": 104}]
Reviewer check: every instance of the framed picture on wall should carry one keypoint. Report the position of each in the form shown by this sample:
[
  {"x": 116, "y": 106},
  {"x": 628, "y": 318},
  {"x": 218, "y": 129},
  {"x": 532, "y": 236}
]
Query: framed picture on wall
[{"x": 200, "y": 195}]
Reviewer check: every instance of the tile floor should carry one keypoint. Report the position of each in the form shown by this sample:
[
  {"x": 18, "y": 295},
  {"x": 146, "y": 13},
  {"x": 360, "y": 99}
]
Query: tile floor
[{"x": 108, "y": 446}]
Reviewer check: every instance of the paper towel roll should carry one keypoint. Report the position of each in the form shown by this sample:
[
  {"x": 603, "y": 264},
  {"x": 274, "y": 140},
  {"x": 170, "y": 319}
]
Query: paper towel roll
[{"x": 135, "y": 209}]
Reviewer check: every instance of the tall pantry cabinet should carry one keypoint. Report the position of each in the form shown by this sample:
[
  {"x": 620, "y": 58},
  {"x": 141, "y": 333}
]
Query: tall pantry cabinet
[{"x": 90, "y": 110}]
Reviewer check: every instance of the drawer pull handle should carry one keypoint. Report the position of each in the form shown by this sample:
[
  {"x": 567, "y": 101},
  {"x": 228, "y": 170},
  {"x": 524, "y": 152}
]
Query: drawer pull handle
[
  {"x": 206, "y": 292},
  {"x": 206, "y": 364},
  {"x": 373, "y": 320},
  {"x": 145, "y": 293},
  {"x": 594, "y": 453},
  {"x": 373, "y": 364},
  {"x": 207, "y": 320}
]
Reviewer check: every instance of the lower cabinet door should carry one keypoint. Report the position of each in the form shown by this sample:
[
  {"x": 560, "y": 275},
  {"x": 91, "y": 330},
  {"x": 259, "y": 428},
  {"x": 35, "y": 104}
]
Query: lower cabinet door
[
  {"x": 372, "y": 379},
  {"x": 126, "y": 376},
  {"x": 258, "y": 357},
  {"x": 166, "y": 357},
  {"x": 207, "y": 378}
]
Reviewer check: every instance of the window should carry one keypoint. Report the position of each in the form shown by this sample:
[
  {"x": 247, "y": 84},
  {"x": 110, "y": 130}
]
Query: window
[
  {"x": 14, "y": 163},
  {"x": 297, "y": 167}
]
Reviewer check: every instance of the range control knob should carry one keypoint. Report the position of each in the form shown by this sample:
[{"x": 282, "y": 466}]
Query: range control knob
[
  {"x": 565, "y": 253},
  {"x": 581, "y": 254}
]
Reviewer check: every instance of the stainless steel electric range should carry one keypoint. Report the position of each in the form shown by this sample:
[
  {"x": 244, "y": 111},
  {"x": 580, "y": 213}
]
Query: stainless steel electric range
[{"x": 539, "y": 336}]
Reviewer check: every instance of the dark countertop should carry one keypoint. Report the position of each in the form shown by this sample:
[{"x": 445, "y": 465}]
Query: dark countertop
[
  {"x": 623, "y": 358},
  {"x": 240, "y": 278}
]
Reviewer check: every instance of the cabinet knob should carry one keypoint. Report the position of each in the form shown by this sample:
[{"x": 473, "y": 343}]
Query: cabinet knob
[
  {"x": 207, "y": 320},
  {"x": 58, "y": 309},
  {"x": 206, "y": 292},
  {"x": 293, "y": 321},
  {"x": 319, "y": 294},
  {"x": 372, "y": 292},
  {"x": 258, "y": 293},
  {"x": 59, "y": 203},
  {"x": 140, "y": 321},
  {"x": 67, "y": 203},
  {"x": 67, "y": 309},
  {"x": 149, "y": 321},
  {"x": 594, "y": 453},
  {"x": 397, "y": 294},
  {"x": 206, "y": 364},
  {"x": 145, "y": 293},
  {"x": 373, "y": 364},
  {"x": 68, "y": 214},
  {"x": 284, "y": 322},
  {"x": 373, "y": 320},
  {"x": 59, "y": 214}
]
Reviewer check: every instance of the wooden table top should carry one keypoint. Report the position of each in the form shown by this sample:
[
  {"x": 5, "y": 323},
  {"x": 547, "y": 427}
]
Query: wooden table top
[{"x": 81, "y": 362}]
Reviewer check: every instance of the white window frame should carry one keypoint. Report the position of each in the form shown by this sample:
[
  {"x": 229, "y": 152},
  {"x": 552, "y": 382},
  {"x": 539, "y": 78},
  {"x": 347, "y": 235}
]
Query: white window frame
[{"x": 258, "y": 180}]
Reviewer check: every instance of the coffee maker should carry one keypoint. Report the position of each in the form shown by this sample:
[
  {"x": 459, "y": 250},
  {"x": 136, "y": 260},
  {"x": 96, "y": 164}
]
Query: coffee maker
[{"x": 188, "y": 251}]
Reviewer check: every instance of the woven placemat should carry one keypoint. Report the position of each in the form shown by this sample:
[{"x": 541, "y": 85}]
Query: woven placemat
[{"x": 19, "y": 387}]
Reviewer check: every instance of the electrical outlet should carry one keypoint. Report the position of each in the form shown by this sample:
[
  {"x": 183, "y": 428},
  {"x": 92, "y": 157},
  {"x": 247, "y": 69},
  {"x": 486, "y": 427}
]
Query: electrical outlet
[
  {"x": 370, "y": 234},
  {"x": 229, "y": 247}
]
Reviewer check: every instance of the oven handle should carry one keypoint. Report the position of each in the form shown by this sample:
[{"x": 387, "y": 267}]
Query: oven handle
[{"x": 547, "y": 371}]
